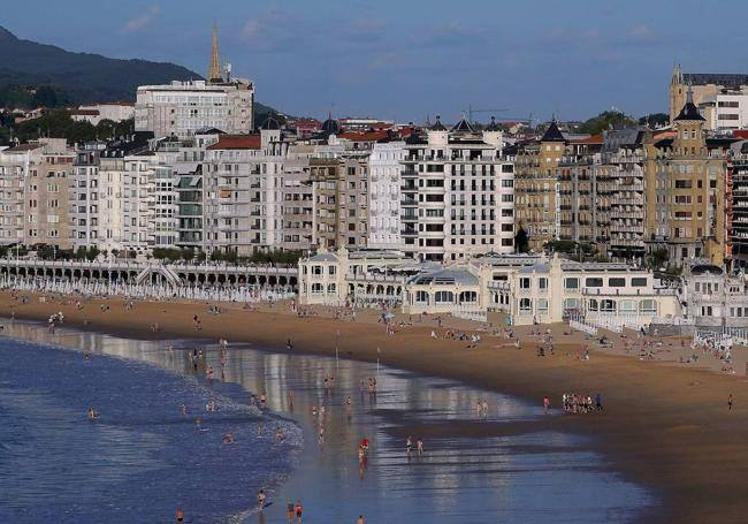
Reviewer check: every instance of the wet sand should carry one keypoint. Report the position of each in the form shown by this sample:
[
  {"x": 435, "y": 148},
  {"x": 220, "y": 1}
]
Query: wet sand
[{"x": 665, "y": 425}]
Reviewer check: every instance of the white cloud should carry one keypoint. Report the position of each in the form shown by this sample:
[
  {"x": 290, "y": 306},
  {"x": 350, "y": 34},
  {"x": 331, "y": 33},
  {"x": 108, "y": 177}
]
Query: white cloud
[{"x": 141, "y": 21}]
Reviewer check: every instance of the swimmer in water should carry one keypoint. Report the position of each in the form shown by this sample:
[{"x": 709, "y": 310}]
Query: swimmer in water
[
  {"x": 261, "y": 497},
  {"x": 228, "y": 438},
  {"x": 92, "y": 415},
  {"x": 183, "y": 409}
]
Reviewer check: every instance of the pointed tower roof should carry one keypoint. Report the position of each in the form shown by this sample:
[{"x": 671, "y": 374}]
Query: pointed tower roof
[
  {"x": 463, "y": 126},
  {"x": 689, "y": 111},
  {"x": 438, "y": 126},
  {"x": 553, "y": 134},
  {"x": 214, "y": 70}
]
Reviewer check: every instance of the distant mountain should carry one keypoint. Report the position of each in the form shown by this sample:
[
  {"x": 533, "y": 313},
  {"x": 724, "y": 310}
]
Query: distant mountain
[{"x": 78, "y": 78}]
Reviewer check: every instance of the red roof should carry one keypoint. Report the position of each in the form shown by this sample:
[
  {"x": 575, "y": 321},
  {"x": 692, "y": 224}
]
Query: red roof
[
  {"x": 664, "y": 134},
  {"x": 594, "y": 139},
  {"x": 365, "y": 136},
  {"x": 740, "y": 133},
  {"x": 237, "y": 142}
]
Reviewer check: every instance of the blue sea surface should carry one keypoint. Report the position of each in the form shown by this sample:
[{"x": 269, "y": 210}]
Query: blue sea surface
[{"x": 142, "y": 458}]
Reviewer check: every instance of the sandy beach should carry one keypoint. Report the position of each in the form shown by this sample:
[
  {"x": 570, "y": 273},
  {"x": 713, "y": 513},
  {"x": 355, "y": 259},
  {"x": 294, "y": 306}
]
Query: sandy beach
[{"x": 665, "y": 425}]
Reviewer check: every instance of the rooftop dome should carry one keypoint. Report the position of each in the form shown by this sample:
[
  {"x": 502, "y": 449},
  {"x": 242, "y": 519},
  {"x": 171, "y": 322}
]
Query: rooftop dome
[{"x": 330, "y": 126}]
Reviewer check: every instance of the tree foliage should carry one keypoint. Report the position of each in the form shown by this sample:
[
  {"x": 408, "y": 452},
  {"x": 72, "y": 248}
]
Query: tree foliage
[
  {"x": 59, "y": 124},
  {"x": 606, "y": 120},
  {"x": 655, "y": 120}
]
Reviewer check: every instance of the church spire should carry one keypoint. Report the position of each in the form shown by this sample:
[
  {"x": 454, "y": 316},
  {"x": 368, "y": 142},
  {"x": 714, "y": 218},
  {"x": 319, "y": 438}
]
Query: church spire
[{"x": 214, "y": 70}]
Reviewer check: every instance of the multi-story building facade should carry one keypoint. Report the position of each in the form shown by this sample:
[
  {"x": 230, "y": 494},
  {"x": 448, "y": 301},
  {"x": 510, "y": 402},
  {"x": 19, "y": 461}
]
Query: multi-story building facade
[
  {"x": 583, "y": 194},
  {"x": 705, "y": 87},
  {"x": 243, "y": 192},
  {"x": 340, "y": 200},
  {"x": 457, "y": 194},
  {"x": 538, "y": 210},
  {"x": 725, "y": 111},
  {"x": 686, "y": 174},
  {"x": 737, "y": 214},
  {"x": 183, "y": 109},
  {"x": 185, "y": 156},
  {"x": 34, "y": 181},
  {"x": 385, "y": 163}
]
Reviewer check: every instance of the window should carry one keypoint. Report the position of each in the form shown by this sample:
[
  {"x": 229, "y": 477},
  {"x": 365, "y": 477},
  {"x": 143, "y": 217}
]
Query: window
[
  {"x": 571, "y": 304},
  {"x": 607, "y": 306},
  {"x": 592, "y": 305},
  {"x": 543, "y": 305},
  {"x": 317, "y": 288},
  {"x": 628, "y": 306},
  {"x": 316, "y": 270},
  {"x": 542, "y": 283},
  {"x": 617, "y": 282},
  {"x": 330, "y": 270},
  {"x": 639, "y": 282},
  {"x": 525, "y": 305},
  {"x": 571, "y": 283},
  {"x": 594, "y": 282},
  {"x": 422, "y": 297},
  {"x": 648, "y": 306},
  {"x": 524, "y": 283},
  {"x": 444, "y": 296}
]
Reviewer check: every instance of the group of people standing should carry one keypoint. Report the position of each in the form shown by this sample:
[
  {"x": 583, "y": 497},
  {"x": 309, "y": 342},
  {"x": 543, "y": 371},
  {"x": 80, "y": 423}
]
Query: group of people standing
[{"x": 581, "y": 404}]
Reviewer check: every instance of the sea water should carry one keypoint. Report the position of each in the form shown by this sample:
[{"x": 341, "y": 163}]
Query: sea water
[{"x": 142, "y": 458}]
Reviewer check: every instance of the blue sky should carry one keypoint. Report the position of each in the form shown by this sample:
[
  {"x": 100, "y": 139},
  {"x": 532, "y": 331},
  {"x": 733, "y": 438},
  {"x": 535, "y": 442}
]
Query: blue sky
[{"x": 405, "y": 59}]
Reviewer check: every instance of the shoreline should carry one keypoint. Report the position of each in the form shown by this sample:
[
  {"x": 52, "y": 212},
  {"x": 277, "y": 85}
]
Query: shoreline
[{"x": 664, "y": 427}]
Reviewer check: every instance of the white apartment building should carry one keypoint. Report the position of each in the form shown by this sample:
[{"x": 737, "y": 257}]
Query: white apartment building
[
  {"x": 243, "y": 192},
  {"x": 457, "y": 194},
  {"x": 184, "y": 108},
  {"x": 185, "y": 157},
  {"x": 725, "y": 111},
  {"x": 385, "y": 164},
  {"x": 123, "y": 200}
]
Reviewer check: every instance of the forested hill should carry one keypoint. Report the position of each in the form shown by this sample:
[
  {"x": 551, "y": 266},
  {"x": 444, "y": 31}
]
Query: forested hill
[{"x": 77, "y": 77}]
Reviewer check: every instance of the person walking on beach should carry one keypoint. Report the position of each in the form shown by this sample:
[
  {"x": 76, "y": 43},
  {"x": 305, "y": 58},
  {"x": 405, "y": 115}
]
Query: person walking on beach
[
  {"x": 419, "y": 446},
  {"x": 599, "y": 402},
  {"x": 299, "y": 510},
  {"x": 290, "y": 511},
  {"x": 261, "y": 497},
  {"x": 179, "y": 515},
  {"x": 546, "y": 404},
  {"x": 729, "y": 402},
  {"x": 360, "y": 520}
]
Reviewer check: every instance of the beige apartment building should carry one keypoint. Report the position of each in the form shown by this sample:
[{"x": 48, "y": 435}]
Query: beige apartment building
[
  {"x": 536, "y": 187},
  {"x": 340, "y": 203},
  {"x": 34, "y": 196},
  {"x": 685, "y": 177}
]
